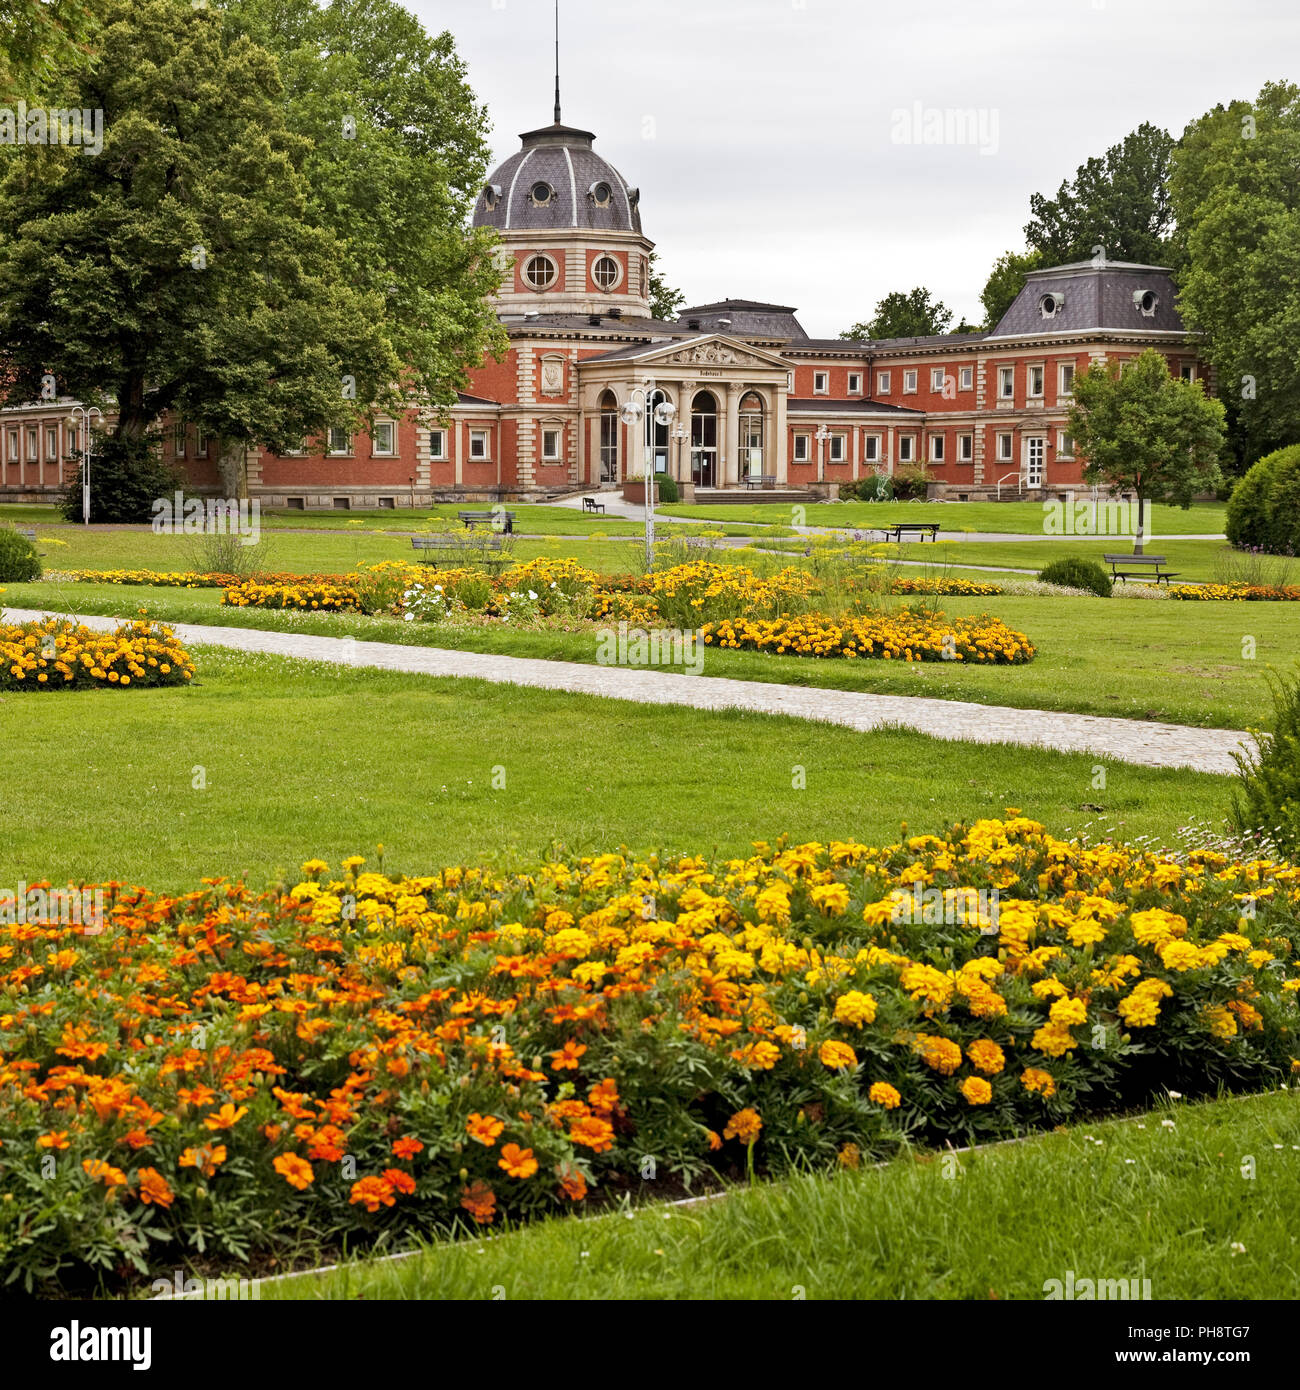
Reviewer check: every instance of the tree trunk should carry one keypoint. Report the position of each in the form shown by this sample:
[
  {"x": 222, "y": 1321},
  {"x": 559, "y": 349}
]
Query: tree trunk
[
  {"x": 232, "y": 466},
  {"x": 1142, "y": 526}
]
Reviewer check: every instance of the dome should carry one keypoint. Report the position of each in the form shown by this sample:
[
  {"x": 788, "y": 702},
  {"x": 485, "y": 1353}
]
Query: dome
[{"x": 557, "y": 182}]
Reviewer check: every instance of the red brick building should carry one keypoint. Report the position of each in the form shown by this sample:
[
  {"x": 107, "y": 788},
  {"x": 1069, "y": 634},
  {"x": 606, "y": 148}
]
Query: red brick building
[{"x": 754, "y": 396}]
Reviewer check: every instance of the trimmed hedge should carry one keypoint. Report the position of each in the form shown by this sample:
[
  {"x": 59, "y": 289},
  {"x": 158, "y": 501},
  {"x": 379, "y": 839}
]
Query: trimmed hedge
[
  {"x": 1077, "y": 572},
  {"x": 1264, "y": 509}
]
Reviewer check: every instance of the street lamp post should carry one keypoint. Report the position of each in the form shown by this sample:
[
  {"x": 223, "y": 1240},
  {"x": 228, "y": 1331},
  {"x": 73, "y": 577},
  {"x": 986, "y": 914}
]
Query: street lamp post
[
  {"x": 635, "y": 413},
  {"x": 823, "y": 434},
  {"x": 82, "y": 425}
]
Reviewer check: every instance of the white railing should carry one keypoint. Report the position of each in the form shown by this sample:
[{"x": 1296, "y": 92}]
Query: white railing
[{"x": 1020, "y": 483}]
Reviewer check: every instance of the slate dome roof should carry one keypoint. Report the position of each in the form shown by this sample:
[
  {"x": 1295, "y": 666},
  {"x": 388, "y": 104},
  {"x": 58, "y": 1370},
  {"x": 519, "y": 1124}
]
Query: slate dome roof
[{"x": 557, "y": 182}]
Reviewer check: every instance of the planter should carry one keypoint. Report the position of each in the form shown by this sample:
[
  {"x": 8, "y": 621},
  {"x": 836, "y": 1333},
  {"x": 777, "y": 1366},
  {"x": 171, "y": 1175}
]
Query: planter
[{"x": 635, "y": 492}]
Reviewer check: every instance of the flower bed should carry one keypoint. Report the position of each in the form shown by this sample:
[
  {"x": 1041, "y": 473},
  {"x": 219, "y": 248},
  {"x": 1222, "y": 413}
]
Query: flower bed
[
  {"x": 892, "y": 636},
  {"x": 57, "y": 654},
  {"x": 328, "y": 596},
  {"x": 177, "y": 580},
  {"x": 958, "y": 587},
  {"x": 221, "y": 1070},
  {"x": 1266, "y": 593}
]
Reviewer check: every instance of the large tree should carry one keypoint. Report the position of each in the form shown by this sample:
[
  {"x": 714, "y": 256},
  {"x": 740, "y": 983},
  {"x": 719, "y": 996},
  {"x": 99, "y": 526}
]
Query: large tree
[
  {"x": 1236, "y": 191},
  {"x": 1146, "y": 432},
  {"x": 39, "y": 40},
  {"x": 915, "y": 314},
  {"x": 1006, "y": 280},
  {"x": 1118, "y": 201}
]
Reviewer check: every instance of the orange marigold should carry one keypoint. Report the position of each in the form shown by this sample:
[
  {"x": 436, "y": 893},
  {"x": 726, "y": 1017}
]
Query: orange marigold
[
  {"x": 593, "y": 1132},
  {"x": 407, "y": 1148},
  {"x": 519, "y": 1163},
  {"x": 480, "y": 1201},
  {"x": 883, "y": 1094},
  {"x": 99, "y": 1171},
  {"x": 297, "y": 1172},
  {"x": 372, "y": 1193},
  {"x": 976, "y": 1090},
  {"x": 206, "y": 1159},
  {"x": 399, "y": 1181},
  {"x": 486, "y": 1129},
  {"x": 743, "y": 1125},
  {"x": 572, "y": 1182},
  {"x": 153, "y": 1188},
  {"x": 567, "y": 1056},
  {"x": 226, "y": 1117},
  {"x": 836, "y": 1055},
  {"x": 1035, "y": 1079}
]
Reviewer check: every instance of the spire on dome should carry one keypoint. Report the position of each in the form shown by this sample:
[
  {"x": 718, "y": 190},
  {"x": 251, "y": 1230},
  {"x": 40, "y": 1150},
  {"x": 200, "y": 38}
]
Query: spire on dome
[{"x": 557, "y": 63}]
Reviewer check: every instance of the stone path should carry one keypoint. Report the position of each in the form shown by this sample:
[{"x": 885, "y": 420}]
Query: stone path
[{"x": 1128, "y": 740}]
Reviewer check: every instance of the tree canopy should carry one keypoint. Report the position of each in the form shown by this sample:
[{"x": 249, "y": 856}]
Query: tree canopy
[{"x": 915, "y": 314}]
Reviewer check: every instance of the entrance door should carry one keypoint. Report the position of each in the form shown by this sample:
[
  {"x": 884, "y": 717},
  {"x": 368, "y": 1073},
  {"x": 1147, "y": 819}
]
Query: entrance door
[
  {"x": 1035, "y": 454},
  {"x": 608, "y": 438},
  {"x": 704, "y": 440}
]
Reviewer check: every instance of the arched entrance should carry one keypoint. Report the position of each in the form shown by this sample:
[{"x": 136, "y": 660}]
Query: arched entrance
[
  {"x": 704, "y": 439},
  {"x": 751, "y": 435},
  {"x": 656, "y": 436},
  {"x": 609, "y": 438}
]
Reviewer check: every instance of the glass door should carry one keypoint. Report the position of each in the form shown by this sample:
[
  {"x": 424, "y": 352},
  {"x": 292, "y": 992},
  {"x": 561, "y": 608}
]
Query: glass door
[{"x": 1035, "y": 454}]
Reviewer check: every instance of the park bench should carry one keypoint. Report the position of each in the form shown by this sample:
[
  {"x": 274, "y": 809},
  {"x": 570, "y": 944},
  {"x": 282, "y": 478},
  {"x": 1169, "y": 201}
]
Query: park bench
[
  {"x": 767, "y": 480},
  {"x": 1151, "y": 567},
  {"x": 499, "y": 521},
  {"x": 895, "y": 531},
  {"x": 29, "y": 532},
  {"x": 488, "y": 551},
  {"x": 589, "y": 504}
]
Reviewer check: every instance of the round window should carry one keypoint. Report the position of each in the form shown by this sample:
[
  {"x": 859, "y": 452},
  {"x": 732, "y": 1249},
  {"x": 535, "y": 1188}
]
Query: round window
[
  {"x": 542, "y": 193},
  {"x": 1049, "y": 305},
  {"x": 601, "y": 194},
  {"x": 1149, "y": 302},
  {"x": 606, "y": 272},
  {"x": 540, "y": 272}
]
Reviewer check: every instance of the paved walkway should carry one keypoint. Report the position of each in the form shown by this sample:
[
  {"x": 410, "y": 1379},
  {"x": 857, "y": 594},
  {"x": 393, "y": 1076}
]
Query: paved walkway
[{"x": 1128, "y": 740}]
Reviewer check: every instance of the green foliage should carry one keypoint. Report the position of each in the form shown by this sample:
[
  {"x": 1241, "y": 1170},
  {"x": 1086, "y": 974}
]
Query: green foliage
[
  {"x": 1264, "y": 509},
  {"x": 915, "y": 314},
  {"x": 126, "y": 475},
  {"x": 1078, "y": 572},
  {"x": 665, "y": 301},
  {"x": 871, "y": 487},
  {"x": 666, "y": 491},
  {"x": 19, "y": 561},
  {"x": 39, "y": 38},
  {"x": 1267, "y": 801},
  {"x": 1006, "y": 280},
  {"x": 1238, "y": 212},
  {"x": 1118, "y": 201},
  {"x": 911, "y": 484},
  {"x": 1145, "y": 432}
]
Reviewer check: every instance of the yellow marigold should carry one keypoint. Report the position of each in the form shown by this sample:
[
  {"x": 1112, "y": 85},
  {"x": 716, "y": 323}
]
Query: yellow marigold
[
  {"x": 1068, "y": 1012},
  {"x": 1141, "y": 1006},
  {"x": 836, "y": 1055},
  {"x": 855, "y": 1007},
  {"x": 743, "y": 1125},
  {"x": 830, "y": 899},
  {"x": 976, "y": 1090},
  {"x": 1035, "y": 1080},
  {"x": 986, "y": 1056},
  {"x": 762, "y": 1056},
  {"x": 884, "y": 1095},
  {"x": 1048, "y": 989},
  {"x": 937, "y": 1053},
  {"x": 1054, "y": 1039},
  {"x": 1179, "y": 955},
  {"x": 850, "y": 1156},
  {"x": 1221, "y": 1022},
  {"x": 1156, "y": 926}
]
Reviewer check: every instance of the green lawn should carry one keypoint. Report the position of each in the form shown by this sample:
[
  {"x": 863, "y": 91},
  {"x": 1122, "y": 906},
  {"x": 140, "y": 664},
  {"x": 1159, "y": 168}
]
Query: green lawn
[
  {"x": 299, "y": 759},
  {"x": 1178, "y": 662},
  {"x": 1126, "y": 1199},
  {"x": 1021, "y": 518}
]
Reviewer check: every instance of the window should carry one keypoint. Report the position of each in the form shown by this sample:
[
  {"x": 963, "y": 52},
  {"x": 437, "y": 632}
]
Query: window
[
  {"x": 296, "y": 504},
  {"x": 801, "y": 448},
  {"x": 936, "y": 378},
  {"x": 1006, "y": 383},
  {"x": 551, "y": 443},
  {"x": 855, "y": 383},
  {"x": 51, "y": 441},
  {"x": 1049, "y": 305},
  {"x": 871, "y": 448},
  {"x": 905, "y": 448},
  {"x": 966, "y": 381},
  {"x": 33, "y": 441},
  {"x": 301, "y": 448},
  {"x": 606, "y": 272},
  {"x": 491, "y": 195},
  {"x": 342, "y": 504},
  {"x": 478, "y": 444},
  {"x": 540, "y": 273},
  {"x": 1187, "y": 371},
  {"x": 178, "y": 440},
  {"x": 601, "y": 194},
  {"x": 965, "y": 448},
  {"x": 340, "y": 441},
  {"x": 909, "y": 382},
  {"x": 1036, "y": 382},
  {"x": 387, "y": 504},
  {"x": 13, "y": 446},
  {"x": 437, "y": 444},
  {"x": 541, "y": 193},
  {"x": 1146, "y": 302},
  {"x": 1065, "y": 379},
  {"x": 201, "y": 444},
  {"x": 936, "y": 448},
  {"x": 384, "y": 439},
  {"x": 1064, "y": 445},
  {"x": 1004, "y": 448},
  {"x": 882, "y": 383},
  {"x": 821, "y": 383},
  {"x": 609, "y": 428},
  {"x": 838, "y": 442}
]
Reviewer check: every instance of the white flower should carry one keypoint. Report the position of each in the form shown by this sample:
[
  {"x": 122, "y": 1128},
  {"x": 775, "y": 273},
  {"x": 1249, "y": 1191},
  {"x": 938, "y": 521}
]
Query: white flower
[
  {"x": 410, "y": 617},
  {"x": 1167, "y": 1124},
  {"x": 532, "y": 596},
  {"x": 1175, "y": 1095},
  {"x": 1237, "y": 1248}
]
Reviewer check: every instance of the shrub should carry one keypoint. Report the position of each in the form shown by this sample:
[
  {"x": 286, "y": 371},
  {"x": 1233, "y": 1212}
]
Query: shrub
[
  {"x": 19, "y": 562},
  {"x": 872, "y": 487},
  {"x": 1077, "y": 572},
  {"x": 1264, "y": 509},
  {"x": 1266, "y": 803},
  {"x": 201, "y": 1070},
  {"x": 667, "y": 487},
  {"x": 127, "y": 474},
  {"x": 911, "y": 484}
]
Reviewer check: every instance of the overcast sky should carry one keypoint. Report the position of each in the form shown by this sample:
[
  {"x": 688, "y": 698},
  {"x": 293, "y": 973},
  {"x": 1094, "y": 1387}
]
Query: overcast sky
[{"x": 766, "y": 138}]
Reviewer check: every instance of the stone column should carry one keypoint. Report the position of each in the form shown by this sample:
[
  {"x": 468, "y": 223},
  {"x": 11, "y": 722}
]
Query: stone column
[
  {"x": 781, "y": 429},
  {"x": 732, "y": 444}
]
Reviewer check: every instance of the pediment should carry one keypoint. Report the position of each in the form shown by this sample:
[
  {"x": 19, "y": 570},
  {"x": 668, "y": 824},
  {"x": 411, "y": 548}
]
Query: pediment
[{"x": 714, "y": 350}]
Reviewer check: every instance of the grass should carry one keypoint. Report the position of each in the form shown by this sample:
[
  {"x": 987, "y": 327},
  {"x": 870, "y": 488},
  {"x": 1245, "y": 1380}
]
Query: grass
[
  {"x": 1125, "y": 1199},
  {"x": 265, "y": 762},
  {"x": 1181, "y": 663},
  {"x": 1021, "y": 518}
]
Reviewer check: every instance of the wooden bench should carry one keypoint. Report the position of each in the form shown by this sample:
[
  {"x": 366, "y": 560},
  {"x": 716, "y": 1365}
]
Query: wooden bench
[
  {"x": 1151, "y": 567},
  {"x": 767, "y": 480},
  {"x": 896, "y": 531},
  {"x": 29, "y": 532},
  {"x": 487, "y": 551},
  {"x": 589, "y": 504},
  {"x": 497, "y": 520}
]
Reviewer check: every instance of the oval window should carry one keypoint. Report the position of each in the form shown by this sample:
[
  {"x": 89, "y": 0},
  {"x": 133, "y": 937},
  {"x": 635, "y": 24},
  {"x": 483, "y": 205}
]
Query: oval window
[{"x": 540, "y": 272}]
